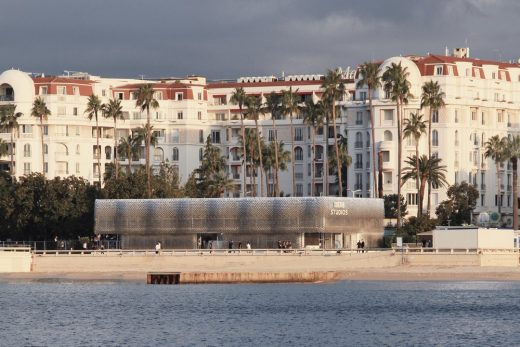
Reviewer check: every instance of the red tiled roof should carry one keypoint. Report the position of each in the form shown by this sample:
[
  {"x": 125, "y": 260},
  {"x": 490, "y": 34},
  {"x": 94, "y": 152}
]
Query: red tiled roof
[{"x": 55, "y": 79}]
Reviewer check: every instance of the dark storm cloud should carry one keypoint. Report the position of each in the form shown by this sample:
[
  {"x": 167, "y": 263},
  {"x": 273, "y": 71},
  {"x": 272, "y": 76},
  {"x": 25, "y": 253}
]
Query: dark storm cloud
[{"x": 229, "y": 38}]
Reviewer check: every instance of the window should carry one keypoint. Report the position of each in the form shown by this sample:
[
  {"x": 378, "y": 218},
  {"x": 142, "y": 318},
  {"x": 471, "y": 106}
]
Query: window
[
  {"x": 298, "y": 134},
  {"x": 386, "y": 156},
  {"x": 473, "y": 114},
  {"x": 77, "y": 131},
  {"x": 456, "y": 137},
  {"x": 201, "y": 136},
  {"x": 77, "y": 168},
  {"x": 388, "y": 135},
  {"x": 175, "y": 135},
  {"x": 493, "y": 75},
  {"x": 27, "y": 150},
  {"x": 298, "y": 154},
  {"x": 411, "y": 198},
  {"x": 362, "y": 96},
  {"x": 299, "y": 189},
  {"x": 359, "y": 161},
  {"x": 45, "y": 167},
  {"x": 45, "y": 130},
  {"x": 220, "y": 116},
  {"x": 359, "y": 140},
  {"x": 158, "y": 95},
  {"x": 388, "y": 115},
  {"x": 359, "y": 181},
  {"x": 26, "y": 129},
  {"x": 456, "y": 116},
  {"x": 26, "y": 168},
  {"x": 108, "y": 152},
  {"x": 438, "y": 70},
  {"x": 44, "y": 90},
  {"x": 199, "y": 115},
  {"x": 271, "y": 134},
  {"x": 62, "y": 90},
  {"x": 179, "y": 96},
  {"x": 180, "y": 115},
  {"x": 199, "y": 96},
  {"x": 136, "y": 115},
  {"x": 215, "y": 136},
  {"x": 74, "y": 111},
  {"x": 201, "y": 154},
  {"x": 119, "y": 95},
  {"x": 483, "y": 118},
  {"x": 175, "y": 154},
  {"x": 359, "y": 118},
  {"x": 78, "y": 147},
  {"x": 435, "y": 138},
  {"x": 45, "y": 149},
  {"x": 103, "y": 92},
  {"x": 158, "y": 154},
  {"x": 435, "y": 116},
  {"x": 75, "y": 90}
]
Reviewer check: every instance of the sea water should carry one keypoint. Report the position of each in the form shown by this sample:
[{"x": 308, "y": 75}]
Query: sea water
[{"x": 347, "y": 313}]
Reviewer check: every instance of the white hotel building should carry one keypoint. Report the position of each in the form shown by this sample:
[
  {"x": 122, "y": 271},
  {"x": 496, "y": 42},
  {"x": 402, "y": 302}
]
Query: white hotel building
[{"x": 482, "y": 100}]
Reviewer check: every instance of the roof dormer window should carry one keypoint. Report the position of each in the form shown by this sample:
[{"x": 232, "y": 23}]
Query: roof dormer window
[{"x": 438, "y": 70}]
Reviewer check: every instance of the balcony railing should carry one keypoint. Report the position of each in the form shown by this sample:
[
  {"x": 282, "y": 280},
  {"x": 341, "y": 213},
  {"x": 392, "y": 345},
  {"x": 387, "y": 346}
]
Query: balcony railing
[
  {"x": 358, "y": 186},
  {"x": 6, "y": 97},
  {"x": 299, "y": 176},
  {"x": 483, "y": 186},
  {"x": 358, "y": 144},
  {"x": 236, "y": 176},
  {"x": 359, "y": 165}
]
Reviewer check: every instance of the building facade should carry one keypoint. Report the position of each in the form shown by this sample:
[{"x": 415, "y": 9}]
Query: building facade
[{"x": 482, "y": 99}]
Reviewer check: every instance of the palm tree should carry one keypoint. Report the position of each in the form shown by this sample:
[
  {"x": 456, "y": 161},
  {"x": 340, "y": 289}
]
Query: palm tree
[
  {"x": 290, "y": 105},
  {"x": 425, "y": 170},
  {"x": 40, "y": 111},
  {"x": 145, "y": 100},
  {"x": 272, "y": 106},
  {"x": 396, "y": 84},
  {"x": 239, "y": 97},
  {"x": 254, "y": 109},
  {"x": 433, "y": 98},
  {"x": 9, "y": 120},
  {"x": 370, "y": 77},
  {"x": 414, "y": 127},
  {"x": 333, "y": 89},
  {"x": 512, "y": 152},
  {"x": 495, "y": 147},
  {"x": 114, "y": 110},
  {"x": 94, "y": 106},
  {"x": 129, "y": 147},
  {"x": 345, "y": 160},
  {"x": 313, "y": 117}
]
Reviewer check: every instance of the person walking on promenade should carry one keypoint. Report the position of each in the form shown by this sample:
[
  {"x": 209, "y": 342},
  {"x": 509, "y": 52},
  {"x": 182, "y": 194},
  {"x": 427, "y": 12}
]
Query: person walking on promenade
[
  {"x": 157, "y": 247},
  {"x": 210, "y": 246},
  {"x": 362, "y": 246},
  {"x": 358, "y": 246}
]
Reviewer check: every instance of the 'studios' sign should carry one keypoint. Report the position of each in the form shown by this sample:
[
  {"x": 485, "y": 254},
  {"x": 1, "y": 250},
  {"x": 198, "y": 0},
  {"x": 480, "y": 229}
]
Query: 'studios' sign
[{"x": 338, "y": 209}]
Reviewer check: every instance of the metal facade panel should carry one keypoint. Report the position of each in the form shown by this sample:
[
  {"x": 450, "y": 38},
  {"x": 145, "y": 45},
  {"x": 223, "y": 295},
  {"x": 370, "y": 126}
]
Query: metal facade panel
[{"x": 240, "y": 215}]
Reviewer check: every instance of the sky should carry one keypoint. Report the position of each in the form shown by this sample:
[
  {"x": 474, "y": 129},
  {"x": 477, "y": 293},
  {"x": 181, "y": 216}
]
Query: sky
[{"x": 226, "y": 39}]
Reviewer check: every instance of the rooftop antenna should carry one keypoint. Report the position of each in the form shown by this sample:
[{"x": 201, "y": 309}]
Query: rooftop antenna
[
  {"x": 142, "y": 77},
  {"x": 446, "y": 51}
]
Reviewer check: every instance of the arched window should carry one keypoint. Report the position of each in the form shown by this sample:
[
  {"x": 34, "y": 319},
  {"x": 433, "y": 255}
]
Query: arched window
[
  {"x": 108, "y": 152},
  {"x": 435, "y": 116},
  {"x": 175, "y": 153},
  {"x": 359, "y": 140},
  {"x": 234, "y": 154},
  {"x": 435, "y": 138},
  {"x": 456, "y": 137},
  {"x": 298, "y": 153},
  {"x": 27, "y": 150},
  {"x": 388, "y": 135},
  {"x": 158, "y": 154}
]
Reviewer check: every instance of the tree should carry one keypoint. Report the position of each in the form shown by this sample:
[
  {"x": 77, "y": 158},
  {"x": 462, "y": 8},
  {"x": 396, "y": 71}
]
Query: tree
[
  {"x": 4, "y": 148},
  {"x": 416, "y": 225},
  {"x": 414, "y": 127},
  {"x": 211, "y": 179},
  {"x": 272, "y": 106},
  {"x": 313, "y": 117},
  {"x": 333, "y": 90},
  {"x": 239, "y": 97},
  {"x": 290, "y": 105},
  {"x": 495, "y": 149},
  {"x": 40, "y": 111},
  {"x": 457, "y": 210},
  {"x": 396, "y": 84},
  {"x": 512, "y": 152},
  {"x": 254, "y": 109},
  {"x": 9, "y": 120},
  {"x": 94, "y": 107},
  {"x": 391, "y": 206},
  {"x": 370, "y": 77},
  {"x": 426, "y": 171},
  {"x": 129, "y": 147},
  {"x": 145, "y": 100},
  {"x": 433, "y": 98},
  {"x": 344, "y": 158},
  {"x": 114, "y": 110}
]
